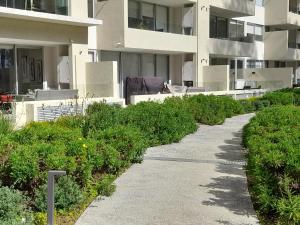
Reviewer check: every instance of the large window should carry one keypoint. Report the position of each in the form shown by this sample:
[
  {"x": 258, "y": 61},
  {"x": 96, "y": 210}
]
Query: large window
[
  {"x": 218, "y": 27},
  {"x": 136, "y": 65},
  {"x": 255, "y": 32},
  {"x": 236, "y": 30},
  {"x": 161, "y": 18},
  {"x": 147, "y": 16},
  {"x": 48, "y": 6}
]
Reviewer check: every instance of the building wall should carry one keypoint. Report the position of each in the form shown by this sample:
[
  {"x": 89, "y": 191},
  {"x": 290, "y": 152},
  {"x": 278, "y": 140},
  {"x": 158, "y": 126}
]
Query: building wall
[{"x": 102, "y": 79}]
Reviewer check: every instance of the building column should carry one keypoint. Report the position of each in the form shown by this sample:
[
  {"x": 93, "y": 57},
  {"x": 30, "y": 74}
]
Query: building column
[
  {"x": 79, "y": 57},
  {"x": 202, "y": 32}
]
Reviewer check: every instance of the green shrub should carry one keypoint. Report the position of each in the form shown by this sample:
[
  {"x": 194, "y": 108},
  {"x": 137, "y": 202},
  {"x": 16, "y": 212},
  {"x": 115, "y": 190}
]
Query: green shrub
[
  {"x": 206, "y": 109},
  {"x": 130, "y": 142},
  {"x": 13, "y": 209},
  {"x": 105, "y": 186},
  {"x": 273, "y": 140},
  {"x": 161, "y": 123},
  {"x": 5, "y": 125},
  {"x": 45, "y": 132},
  {"x": 22, "y": 166},
  {"x": 261, "y": 104},
  {"x": 247, "y": 105},
  {"x": 231, "y": 106},
  {"x": 71, "y": 122},
  {"x": 100, "y": 116},
  {"x": 279, "y": 98},
  {"x": 67, "y": 195}
]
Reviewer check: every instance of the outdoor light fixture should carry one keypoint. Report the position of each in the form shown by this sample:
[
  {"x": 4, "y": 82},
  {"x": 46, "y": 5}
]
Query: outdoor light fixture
[{"x": 50, "y": 197}]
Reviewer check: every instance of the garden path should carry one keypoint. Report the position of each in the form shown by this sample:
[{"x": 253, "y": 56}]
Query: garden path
[{"x": 199, "y": 181}]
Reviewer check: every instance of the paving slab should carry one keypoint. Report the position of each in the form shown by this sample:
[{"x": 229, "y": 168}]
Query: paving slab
[{"x": 199, "y": 181}]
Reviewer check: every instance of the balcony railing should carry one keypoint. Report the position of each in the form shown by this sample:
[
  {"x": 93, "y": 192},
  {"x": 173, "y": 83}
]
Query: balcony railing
[
  {"x": 150, "y": 24},
  {"x": 245, "y": 39},
  {"x": 47, "y": 6},
  {"x": 294, "y": 45},
  {"x": 294, "y": 9}
]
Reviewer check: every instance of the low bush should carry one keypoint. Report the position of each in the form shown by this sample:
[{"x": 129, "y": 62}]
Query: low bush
[
  {"x": 273, "y": 140},
  {"x": 13, "y": 209},
  {"x": 247, "y": 105},
  {"x": 100, "y": 116},
  {"x": 130, "y": 142},
  {"x": 206, "y": 109},
  {"x": 279, "y": 98},
  {"x": 67, "y": 195},
  {"x": 5, "y": 125},
  {"x": 161, "y": 123}
]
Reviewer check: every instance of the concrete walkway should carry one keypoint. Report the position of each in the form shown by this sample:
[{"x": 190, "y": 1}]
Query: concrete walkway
[{"x": 199, "y": 181}]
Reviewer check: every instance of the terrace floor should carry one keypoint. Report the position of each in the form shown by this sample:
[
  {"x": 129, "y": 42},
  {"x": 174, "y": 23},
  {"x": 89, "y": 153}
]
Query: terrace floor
[{"x": 199, "y": 181}]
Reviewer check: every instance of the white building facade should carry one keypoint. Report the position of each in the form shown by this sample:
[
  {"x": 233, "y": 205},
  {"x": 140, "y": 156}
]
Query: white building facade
[{"x": 59, "y": 53}]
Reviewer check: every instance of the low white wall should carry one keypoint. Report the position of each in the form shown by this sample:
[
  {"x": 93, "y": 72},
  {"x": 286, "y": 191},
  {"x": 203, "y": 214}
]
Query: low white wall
[
  {"x": 270, "y": 78},
  {"x": 216, "y": 78},
  {"x": 102, "y": 79},
  {"x": 239, "y": 94},
  {"x": 27, "y": 111}
]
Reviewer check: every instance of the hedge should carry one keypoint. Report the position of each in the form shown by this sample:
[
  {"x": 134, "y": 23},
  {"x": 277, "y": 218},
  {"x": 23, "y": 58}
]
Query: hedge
[{"x": 273, "y": 140}]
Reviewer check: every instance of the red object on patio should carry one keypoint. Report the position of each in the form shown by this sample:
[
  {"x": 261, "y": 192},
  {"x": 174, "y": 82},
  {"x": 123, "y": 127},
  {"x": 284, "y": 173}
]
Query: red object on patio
[{"x": 6, "y": 98}]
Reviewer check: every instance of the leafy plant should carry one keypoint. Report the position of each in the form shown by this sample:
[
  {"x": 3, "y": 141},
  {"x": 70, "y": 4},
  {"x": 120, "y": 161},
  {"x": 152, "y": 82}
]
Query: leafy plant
[
  {"x": 13, "y": 210},
  {"x": 67, "y": 195}
]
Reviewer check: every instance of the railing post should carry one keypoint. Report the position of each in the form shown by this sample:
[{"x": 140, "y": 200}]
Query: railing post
[{"x": 50, "y": 195}]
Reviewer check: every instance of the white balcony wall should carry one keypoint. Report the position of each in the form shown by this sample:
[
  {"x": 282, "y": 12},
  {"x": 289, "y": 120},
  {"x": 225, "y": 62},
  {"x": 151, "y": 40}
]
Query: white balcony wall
[
  {"x": 216, "y": 78},
  {"x": 234, "y": 8},
  {"x": 276, "y": 47},
  {"x": 150, "y": 41},
  {"x": 102, "y": 79},
  {"x": 227, "y": 48}
]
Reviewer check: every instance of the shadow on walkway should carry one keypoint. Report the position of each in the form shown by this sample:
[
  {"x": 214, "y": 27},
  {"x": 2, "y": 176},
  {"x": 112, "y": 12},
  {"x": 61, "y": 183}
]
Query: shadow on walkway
[{"x": 231, "y": 190}]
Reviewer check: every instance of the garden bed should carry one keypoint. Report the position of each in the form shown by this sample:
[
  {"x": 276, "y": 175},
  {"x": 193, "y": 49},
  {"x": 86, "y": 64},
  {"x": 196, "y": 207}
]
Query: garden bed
[
  {"x": 96, "y": 148},
  {"x": 273, "y": 140}
]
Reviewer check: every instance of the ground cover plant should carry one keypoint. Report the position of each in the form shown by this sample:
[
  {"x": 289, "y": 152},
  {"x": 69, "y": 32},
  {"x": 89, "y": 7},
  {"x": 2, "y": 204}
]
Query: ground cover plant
[
  {"x": 96, "y": 148},
  {"x": 273, "y": 140}
]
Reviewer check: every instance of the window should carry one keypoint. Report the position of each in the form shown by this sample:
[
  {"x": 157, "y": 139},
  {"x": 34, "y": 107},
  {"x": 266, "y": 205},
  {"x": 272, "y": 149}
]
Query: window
[
  {"x": 252, "y": 64},
  {"x": 154, "y": 17},
  {"x": 147, "y": 65},
  {"x": 161, "y": 18},
  {"x": 147, "y": 13},
  {"x": 91, "y": 8},
  {"x": 218, "y": 27},
  {"x": 255, "y": 32},
  {"x": 236, "y": 30},
  {"x": 162, "y": 67},
  {"x": 92, "y": 54},
  {"x": 133, "y": 14}
]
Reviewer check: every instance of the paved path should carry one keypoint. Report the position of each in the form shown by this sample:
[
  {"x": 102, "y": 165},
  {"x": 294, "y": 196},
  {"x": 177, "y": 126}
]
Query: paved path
[{"x": 199, "y": 181}]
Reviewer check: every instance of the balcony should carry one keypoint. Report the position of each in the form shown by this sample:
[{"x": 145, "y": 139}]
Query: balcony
[
  {"x": 242, "y": 47},
  {"x": 285, "y": 13},
  {"x": 46, "y": 6},
  {"x": 48, "y": 11},
  {"x": 287, "y": 49},
  {"x": 233, "y": 8},
  {"x": 168, "y": 43}
]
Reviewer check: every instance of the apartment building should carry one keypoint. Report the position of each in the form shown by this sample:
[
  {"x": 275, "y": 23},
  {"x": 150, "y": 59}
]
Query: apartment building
[
  {"x": 216, "y": 45},
  {"x": 58, "y": 54}
]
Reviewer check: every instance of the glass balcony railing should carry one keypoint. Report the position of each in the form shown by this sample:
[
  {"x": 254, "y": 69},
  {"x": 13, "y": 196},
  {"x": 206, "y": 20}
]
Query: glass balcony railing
[
  {"x": 152, "y": 25},
  {"x": 59, "y": 7}
]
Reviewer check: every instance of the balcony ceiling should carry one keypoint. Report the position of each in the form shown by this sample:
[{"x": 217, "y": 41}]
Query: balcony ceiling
[
  {"x": 172, "y": 3},
  {"x": 47, "y": 17}
]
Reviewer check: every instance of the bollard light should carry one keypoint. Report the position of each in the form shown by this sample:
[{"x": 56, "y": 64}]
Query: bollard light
[{"x": 50, "y": 195}]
